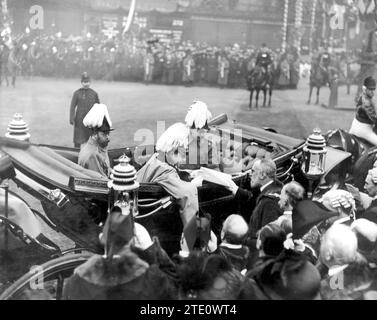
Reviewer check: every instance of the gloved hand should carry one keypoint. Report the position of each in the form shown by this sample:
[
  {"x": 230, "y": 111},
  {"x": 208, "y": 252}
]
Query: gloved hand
[
  {"x": 198, "y": 181},
  {"x": 232, "y": 187},
  {"x": 212, "y": 243},
  {"x": 142, "y": 239}
]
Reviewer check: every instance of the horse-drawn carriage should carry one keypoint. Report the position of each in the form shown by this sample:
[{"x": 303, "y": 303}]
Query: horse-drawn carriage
[{"x": 73, "y": 198}]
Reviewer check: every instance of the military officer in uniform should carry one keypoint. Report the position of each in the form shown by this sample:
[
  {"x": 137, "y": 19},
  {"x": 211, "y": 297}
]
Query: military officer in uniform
[
  {"x": 93, "y": 154},
  {"x": 82, "y": 101}
]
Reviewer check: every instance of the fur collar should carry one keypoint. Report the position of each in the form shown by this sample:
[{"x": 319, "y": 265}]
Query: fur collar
[{"x": 124, "y": 269}]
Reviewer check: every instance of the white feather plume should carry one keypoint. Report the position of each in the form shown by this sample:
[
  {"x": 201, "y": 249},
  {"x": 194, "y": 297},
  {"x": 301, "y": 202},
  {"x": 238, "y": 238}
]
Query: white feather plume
[
  {"x": 95, "y": 116},
  {"x": 198, "y": 115},
  {"x": 175, "y": 136}
]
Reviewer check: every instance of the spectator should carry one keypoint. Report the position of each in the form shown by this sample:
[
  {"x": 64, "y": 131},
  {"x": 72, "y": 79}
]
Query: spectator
[
  {"x": 290, "y": 195},
  {"x": 233, "y": 236},
  {"x": 208, "y": 277},
  {"x": 348, "y": 275},
  {"x": 121, "y": 273},
  {"x": 290, "y": 276}
]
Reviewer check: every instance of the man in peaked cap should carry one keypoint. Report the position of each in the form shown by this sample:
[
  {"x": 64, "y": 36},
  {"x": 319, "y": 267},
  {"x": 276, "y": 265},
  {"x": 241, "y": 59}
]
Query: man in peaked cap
[
  {"x": 82, "y": 101},
  {"x": 93, "y": 154}
]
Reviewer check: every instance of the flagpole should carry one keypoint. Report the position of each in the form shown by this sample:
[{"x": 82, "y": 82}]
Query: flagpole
[{"x": 130, "y": 16}]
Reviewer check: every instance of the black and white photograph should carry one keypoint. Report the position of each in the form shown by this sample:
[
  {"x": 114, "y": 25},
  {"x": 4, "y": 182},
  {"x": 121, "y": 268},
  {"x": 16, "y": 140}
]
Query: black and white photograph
[{"x": 204, "y": 151}]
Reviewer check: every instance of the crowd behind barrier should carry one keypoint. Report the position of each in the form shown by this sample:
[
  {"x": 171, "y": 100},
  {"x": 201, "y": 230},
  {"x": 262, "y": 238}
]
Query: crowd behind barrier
[{"x": 154, "y": 61}]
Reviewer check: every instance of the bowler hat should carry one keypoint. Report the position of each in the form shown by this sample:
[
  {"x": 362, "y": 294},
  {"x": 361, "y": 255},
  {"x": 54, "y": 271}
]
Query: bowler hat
[{"x": 306, "y": 214}]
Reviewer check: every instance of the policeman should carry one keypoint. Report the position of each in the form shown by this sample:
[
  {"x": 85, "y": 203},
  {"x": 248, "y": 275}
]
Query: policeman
[{"x": 82, "y": 101}]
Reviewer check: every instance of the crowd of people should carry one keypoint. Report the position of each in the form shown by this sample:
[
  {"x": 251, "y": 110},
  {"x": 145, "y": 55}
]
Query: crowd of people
[
  {"x": 292, "y": 249},
  {"x": 147, "y": 60},
  {"x": 278, "y": 245}
]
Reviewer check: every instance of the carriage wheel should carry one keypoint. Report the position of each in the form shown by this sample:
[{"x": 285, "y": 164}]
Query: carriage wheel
[{"x": 47, "y": 280}]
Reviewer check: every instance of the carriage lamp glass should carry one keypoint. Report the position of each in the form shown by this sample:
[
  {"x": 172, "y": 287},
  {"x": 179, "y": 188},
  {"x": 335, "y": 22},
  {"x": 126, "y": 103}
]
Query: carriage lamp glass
[
  {"x": 124, "y": 186},
  {"x": 314, "y": 155}
]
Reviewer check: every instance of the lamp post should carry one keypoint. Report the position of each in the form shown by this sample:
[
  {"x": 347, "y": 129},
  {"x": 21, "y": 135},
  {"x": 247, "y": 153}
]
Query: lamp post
[{"x": 314, "y": 154}]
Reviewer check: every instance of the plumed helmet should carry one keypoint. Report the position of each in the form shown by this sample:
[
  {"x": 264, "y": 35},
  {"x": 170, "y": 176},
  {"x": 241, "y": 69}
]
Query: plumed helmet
[
  {"x": 370, "y": 83},
  {"x": 198, "y": 115},
  {"x": 174, "y": 137},
  {"x": 98, "y": 118}
]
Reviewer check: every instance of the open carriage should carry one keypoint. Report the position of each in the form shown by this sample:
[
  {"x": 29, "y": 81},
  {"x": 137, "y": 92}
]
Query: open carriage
[{"x": 74, "y": 198}]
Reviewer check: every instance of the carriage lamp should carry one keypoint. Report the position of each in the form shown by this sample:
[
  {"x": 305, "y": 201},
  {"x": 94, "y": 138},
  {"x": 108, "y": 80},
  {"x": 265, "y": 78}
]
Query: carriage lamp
[
  {"x": 18, "y": 128},
  {"x": 314, "y": 153},
  {"x": 124, "y": 187}
]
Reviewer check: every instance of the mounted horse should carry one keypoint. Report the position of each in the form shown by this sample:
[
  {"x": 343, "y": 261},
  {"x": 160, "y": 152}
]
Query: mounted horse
[
  {"x": 260, "y": 79},
  {"x": 319, "y": 75}
]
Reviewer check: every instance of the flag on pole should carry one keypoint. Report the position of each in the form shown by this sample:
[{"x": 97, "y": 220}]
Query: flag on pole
[{"x": 130, "y": 16}]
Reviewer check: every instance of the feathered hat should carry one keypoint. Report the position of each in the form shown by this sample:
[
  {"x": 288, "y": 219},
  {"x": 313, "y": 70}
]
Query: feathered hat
[
  {"x": 98, "y": 118},
  {"x": 198, "y": 115},
  {"x": 175, "y": 136}
]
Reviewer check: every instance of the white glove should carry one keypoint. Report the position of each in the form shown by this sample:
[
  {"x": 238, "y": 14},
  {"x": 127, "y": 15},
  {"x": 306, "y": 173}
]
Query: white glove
[
  {"x": 212, "y": 243},
  {"x": 232, "y": 187},
  {"x": 198, "y": 182},
  {"x": 185, "y": 252},
  {"x": 142, "y": 239}
]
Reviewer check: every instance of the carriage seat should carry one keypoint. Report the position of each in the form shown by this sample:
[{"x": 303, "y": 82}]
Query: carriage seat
[{"x": 44, "y": 163}]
